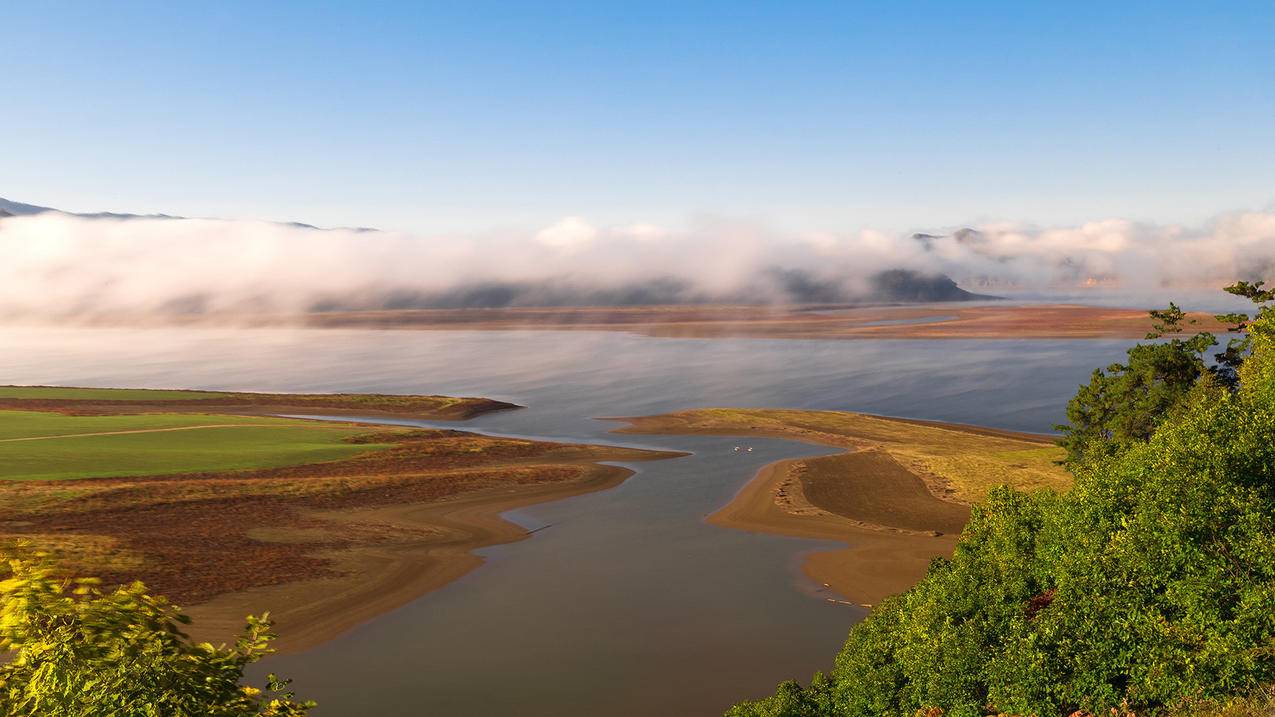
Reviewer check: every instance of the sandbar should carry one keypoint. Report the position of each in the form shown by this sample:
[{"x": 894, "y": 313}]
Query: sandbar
[{"x": 897, "y": 497}]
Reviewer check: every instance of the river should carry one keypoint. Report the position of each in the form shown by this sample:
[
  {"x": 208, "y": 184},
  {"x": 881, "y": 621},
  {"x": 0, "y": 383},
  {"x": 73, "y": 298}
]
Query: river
[{"x": 626, "y": 603}]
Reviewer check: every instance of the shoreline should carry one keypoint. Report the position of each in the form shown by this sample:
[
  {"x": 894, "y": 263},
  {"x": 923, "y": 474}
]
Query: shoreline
[
  {"x": 875, "y": 563},
  {"x": 323, "y": 545},
  {"x": 380, "y": 578},
  {"x": 62, "y": 399},
  {"x": 892, "y": 515}
]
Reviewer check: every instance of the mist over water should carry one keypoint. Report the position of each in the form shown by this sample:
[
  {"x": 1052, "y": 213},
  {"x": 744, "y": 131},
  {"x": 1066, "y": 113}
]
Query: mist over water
[
  {"x": 627, "y": 604},
  {"x": 61, "y": 267}
]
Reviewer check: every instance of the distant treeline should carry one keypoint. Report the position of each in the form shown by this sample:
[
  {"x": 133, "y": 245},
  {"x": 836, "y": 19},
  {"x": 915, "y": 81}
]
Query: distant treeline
[{"x": 1149, "y": 588}]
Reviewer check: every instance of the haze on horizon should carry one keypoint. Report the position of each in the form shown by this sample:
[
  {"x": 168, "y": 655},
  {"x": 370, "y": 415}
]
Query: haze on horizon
[{"x": 62, "y": 266}]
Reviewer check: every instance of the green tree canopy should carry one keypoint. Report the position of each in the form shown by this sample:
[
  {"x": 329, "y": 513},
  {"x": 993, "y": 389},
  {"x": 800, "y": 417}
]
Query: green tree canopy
[
  {"x": 1149, "y": 586},
  {"x": 1125, "y": 402}
]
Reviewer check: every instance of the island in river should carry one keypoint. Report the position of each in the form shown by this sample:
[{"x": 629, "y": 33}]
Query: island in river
[{"x": 898, "y": 496}]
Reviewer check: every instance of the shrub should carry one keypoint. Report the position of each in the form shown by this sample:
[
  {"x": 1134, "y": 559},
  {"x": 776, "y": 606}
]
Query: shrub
[{"x": 75, "y": 650}]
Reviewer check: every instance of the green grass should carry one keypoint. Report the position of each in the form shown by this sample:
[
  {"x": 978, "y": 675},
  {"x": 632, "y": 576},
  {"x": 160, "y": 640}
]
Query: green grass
[
  {"x": 26, "y": 424},
  {"x": 222, "y": 443},
  {"x": 103, "y": 394}
]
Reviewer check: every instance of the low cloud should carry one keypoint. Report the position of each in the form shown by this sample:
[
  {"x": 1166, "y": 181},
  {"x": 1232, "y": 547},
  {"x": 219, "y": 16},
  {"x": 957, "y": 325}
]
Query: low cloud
[{"x": 58, "y": 266}]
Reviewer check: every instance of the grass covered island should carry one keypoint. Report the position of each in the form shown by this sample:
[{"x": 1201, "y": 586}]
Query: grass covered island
[{"x": 229, "y": 511}]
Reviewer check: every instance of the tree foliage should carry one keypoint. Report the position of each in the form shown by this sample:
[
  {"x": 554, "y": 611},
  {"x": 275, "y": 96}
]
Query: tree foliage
[
  {"x": 1125, "y": 402},
  {"x": 1150, "y": 586},
  {"x": 74, "y": 650}
]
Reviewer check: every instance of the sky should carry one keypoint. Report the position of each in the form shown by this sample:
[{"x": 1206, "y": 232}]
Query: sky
[{"x": 805, "y": 116}]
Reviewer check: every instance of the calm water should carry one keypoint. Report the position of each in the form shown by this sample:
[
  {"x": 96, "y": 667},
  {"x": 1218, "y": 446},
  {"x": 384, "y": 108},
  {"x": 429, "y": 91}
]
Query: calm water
[{"x": 627, "y": 604}]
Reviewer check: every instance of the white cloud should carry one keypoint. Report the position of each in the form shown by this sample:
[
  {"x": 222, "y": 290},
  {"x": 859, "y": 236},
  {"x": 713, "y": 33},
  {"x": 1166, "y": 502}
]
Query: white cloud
[
  {"x": 56, "y": 265},
  {"x": 568, "y": 233}
]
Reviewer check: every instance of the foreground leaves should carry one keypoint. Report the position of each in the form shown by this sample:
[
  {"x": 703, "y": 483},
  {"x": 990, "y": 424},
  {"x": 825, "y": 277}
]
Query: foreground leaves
[{"x": 75, "y": 650}]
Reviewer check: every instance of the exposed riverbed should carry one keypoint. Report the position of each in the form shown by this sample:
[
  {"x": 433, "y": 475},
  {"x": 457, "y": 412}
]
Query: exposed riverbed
[{"x": 626, "y": 603}]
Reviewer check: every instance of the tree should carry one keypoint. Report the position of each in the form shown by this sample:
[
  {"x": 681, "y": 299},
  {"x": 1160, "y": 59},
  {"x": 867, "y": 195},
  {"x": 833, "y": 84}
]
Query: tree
[
  {"x": 75, "y": 650},
  {"x": 1124, "y": 403},
  {"x": 1127, "y": 401},
  {"x": 1147, "y": 588},
  {"x": 1238, "y": 347}
]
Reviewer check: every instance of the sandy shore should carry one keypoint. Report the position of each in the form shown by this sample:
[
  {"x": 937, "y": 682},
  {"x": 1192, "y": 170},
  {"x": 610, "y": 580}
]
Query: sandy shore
[
  {"x": 898, "y": 497},
  {"x": 435, "y": 545},
  {"x": 877, "y": 562}
]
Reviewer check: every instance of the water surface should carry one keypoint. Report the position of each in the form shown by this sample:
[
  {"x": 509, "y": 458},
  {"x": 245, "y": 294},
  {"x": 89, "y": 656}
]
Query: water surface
[{"x": 627, "y": 604}]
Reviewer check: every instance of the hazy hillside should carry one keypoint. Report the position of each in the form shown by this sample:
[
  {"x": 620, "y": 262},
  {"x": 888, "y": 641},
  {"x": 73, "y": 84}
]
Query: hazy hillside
[{"x": 554, "y": 284}]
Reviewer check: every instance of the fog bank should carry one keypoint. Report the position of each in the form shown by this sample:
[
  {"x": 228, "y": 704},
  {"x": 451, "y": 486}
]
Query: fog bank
[{"x": 58, "y": 266}]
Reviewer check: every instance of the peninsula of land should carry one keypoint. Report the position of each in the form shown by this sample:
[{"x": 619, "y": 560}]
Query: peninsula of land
[
  {"x": 898, "y": 496},
  {"x": 229, "y": 511}
]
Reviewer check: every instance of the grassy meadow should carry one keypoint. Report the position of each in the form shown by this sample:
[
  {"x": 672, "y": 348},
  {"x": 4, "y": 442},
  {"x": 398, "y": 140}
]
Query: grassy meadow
[
  {"x": 52, "y": 446},
  {"x": 65, "y": 432}
]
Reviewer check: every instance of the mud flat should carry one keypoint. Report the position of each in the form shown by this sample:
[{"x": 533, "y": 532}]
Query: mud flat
[
  {"x": 898, "y": 497},
  {"x": 323, "y": 523},
  {"x": 929, "y": 321},
  {"x": 408, "y": 550}
]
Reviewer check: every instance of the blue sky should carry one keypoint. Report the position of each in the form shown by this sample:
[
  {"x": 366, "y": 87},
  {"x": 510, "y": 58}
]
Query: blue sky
[{"x": 467, "y": 116}]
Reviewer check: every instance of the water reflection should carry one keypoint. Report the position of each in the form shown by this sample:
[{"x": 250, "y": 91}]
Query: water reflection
[{"x": 629, "y": 604}]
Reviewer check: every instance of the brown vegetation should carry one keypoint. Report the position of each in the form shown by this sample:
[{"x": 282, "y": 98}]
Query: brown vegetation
[{"x": 932, "y": 321}]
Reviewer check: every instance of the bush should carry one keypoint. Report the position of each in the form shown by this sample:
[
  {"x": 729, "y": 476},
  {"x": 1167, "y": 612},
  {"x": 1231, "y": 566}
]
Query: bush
[
  {"x": 1149, "y": 587},
  {"x": 76, "y": 651}
]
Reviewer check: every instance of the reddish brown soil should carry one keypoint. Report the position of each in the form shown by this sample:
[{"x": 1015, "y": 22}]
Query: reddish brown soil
[{"x": 997, "y": 320}]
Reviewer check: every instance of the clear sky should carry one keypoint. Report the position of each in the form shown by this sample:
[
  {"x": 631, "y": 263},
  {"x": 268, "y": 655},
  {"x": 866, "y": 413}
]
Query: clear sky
[{"x": 470, "y": 115}]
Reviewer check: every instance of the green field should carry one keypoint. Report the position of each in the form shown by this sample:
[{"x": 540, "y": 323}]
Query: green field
[
  {"x": 103, "y": 394},
  {"x": 51, "y": 446}
]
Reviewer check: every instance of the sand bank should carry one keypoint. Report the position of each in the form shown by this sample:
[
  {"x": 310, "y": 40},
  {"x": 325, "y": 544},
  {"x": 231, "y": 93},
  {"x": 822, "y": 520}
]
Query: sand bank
[
  {"x": 877, "y": 562},
  {"x": 425, "y": 546},
  {"x": 898, "y": 497}
]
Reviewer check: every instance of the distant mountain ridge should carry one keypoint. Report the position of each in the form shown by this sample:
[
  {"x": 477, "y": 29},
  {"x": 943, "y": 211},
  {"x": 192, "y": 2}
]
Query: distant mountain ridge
[
  {"x": 783, "y": 286},
  {"x": 13, "y": 209},
  {"x": 10, "y": 208}
]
